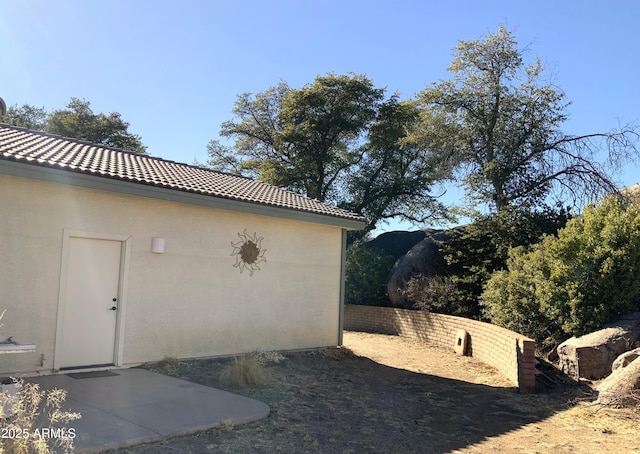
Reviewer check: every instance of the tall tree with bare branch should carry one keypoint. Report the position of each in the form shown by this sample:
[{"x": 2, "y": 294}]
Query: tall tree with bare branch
[{"x": 497, "y": 123}]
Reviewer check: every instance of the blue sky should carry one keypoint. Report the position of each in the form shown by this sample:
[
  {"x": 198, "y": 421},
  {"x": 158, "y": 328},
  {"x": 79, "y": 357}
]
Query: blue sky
[{"x": 173, "y": 69}]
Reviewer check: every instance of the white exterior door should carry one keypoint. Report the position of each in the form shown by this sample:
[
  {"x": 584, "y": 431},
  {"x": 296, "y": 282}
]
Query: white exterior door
[{"x": 90, "y": 306}]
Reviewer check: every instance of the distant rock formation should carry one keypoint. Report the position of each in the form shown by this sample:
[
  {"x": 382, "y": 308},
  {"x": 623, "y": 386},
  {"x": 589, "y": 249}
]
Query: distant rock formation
[
  {"x": 421, "y": 259},
  {"x": 633, "y": 192},
  {"x": 416, "y": 253},
  {"x": 397, "y": 243}
]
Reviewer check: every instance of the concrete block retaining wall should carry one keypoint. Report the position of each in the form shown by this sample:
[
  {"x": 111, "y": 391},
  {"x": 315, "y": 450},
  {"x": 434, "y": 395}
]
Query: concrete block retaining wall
[{"x": 511, "y": 353}]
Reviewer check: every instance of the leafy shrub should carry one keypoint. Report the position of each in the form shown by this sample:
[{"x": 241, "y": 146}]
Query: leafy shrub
[
  {"x": 484, "y": 249},
  {"x": 366, "y": 273},
  {"x": 430, "y": 292},
  {"x": 512, "y": 298},
  {"x": 573, "y": 283}
]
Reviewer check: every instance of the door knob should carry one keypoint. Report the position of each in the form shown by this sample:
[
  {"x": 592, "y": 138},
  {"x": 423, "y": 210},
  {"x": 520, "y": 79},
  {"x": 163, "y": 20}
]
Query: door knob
[{"x": 113, "y": 308}]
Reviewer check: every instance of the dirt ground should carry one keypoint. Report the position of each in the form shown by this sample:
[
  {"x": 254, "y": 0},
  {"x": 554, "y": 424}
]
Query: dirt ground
[{"x": 384, "y": 394}]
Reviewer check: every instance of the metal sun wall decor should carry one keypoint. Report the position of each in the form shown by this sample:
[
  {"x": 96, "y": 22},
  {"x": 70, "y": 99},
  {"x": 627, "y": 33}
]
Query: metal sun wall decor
[{"x": 248, "y": 252}]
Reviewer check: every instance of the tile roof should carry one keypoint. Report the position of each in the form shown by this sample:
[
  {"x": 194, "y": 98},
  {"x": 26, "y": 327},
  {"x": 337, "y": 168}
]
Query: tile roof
[{"x": 47, "y": 150}]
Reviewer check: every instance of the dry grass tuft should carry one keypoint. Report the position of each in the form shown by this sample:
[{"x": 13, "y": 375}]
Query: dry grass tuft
[
  {"x": 225, "y": 426},
  {"x": 25, "y": 415},
  {"x": 168, "y": 366},
  {"x": 265, "y": 358},
  {"x": 621, "y": 399},
  {"x": 244, "y": 371},
  {"x": 336, "y": 353}
]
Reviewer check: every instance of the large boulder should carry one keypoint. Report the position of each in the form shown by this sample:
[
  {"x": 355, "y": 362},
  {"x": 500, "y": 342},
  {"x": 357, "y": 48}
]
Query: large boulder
[
  {"x": 396, "y": 243},
  {"x": 424, "y": 258},
  {"x": 625, "y": 359},
  {"x": 421, "y": 259},
  {"x": 622, "y": 387},
  {"x": 591, "y": 356}
]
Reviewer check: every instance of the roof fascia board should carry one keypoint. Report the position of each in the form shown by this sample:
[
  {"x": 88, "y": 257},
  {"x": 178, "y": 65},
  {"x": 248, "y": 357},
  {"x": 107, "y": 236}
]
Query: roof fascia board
[{"x": 143, "y": 190}]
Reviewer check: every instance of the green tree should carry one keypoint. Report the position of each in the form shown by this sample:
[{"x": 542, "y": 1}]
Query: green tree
[
  {"x": 483, "y": 249},
  {"x": 366, "y": 273},
  {"x": 497, "y": 124},
  {"x": 300, "y": 139},
  {"x": 573, "y": 283},
  {"x": 337, "y": 140},
  {"x": 393, "y": 178},
  {"x": 257, "y": 134},
  {"x": 79, "y": 121},
  {"x": 76, "y": 121},
  {"x": 26, "y": 116}
]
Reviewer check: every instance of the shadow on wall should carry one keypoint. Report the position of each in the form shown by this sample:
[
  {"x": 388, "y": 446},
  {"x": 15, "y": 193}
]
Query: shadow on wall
[{"x": 511, "y": 353}]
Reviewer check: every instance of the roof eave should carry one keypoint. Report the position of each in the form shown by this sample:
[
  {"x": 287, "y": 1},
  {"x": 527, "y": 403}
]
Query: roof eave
[{"x": 25, "y": 169}]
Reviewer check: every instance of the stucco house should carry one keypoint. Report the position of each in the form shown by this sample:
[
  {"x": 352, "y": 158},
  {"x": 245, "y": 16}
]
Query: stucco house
[{"x": 112, "y": 259}]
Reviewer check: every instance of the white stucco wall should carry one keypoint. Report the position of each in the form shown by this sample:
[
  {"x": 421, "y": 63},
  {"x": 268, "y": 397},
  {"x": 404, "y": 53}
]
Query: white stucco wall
[{"x": 189, "y": 301}]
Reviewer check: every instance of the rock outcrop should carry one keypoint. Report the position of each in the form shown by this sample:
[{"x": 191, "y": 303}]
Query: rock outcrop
[
  {"x": 591, "y": 356},
  {"x": 424, "y": 258},
  {"x": 421, "y": 259},
  {"x": 625, "y": 359},
  {"x": 397, "y": 243},
  {"x": 622, "y": 387}
]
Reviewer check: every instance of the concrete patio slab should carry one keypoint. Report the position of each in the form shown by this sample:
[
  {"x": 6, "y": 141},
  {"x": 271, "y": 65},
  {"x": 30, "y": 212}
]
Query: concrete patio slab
[{"x": 137, "y": 406}]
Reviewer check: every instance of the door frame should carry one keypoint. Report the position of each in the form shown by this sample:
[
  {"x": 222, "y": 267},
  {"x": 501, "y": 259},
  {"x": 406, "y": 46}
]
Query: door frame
[{"x": 123, "y": 279}]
